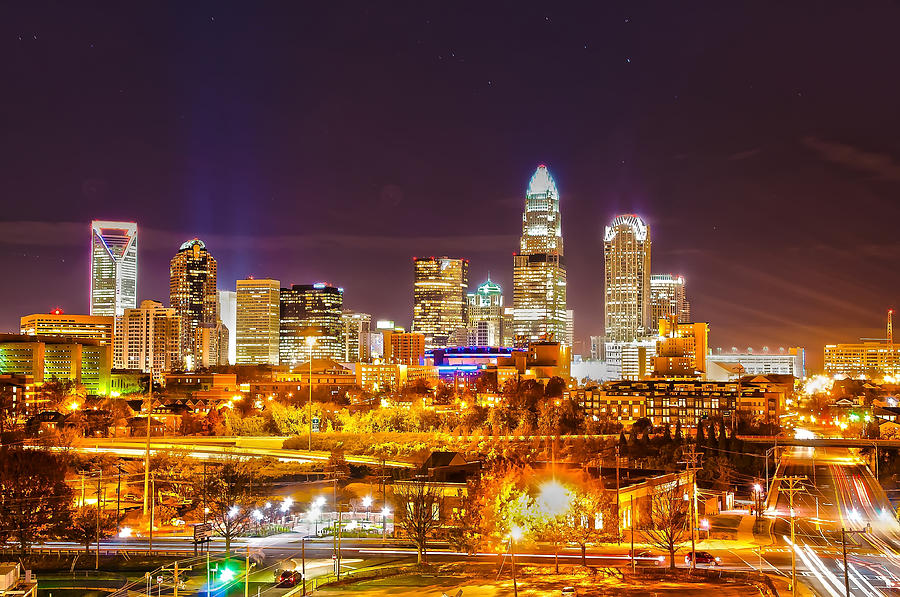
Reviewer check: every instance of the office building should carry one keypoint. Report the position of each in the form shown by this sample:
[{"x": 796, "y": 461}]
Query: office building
[
  {"x": 403, "y": 348},
  {"x": 539, "y": 270},
  {"x": 439, "y": 298},
  {"x": 485, "y": 314},
  {"x": 228, "y": 316},
  {"x": 872, "y": 358},
  {"x": 113, "y": 267},
  {"x": 355, "y": 336},
  {"x": 60, "y": 324},
  {"x": 148, "y": 340},
  {"x": 85, "y": 362},
  {"x": 192, "y": 293},
  {"x": 790, "y": 361},
  {"x": 310, "y": 311},
  {"x": 626, "y": 250},
  {"x": 257, "y": 321},
  {"x": 668, "y": 300},
  {"x": 570, "y": 327},
  {"x": 681, "y": 349}
]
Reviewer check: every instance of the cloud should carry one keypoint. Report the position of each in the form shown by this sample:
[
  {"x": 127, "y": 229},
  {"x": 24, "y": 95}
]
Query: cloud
[
  {"x": 77, "y": 234},
  {"x": 743, "y": 155},
  {"x": 883, "y": 166}
]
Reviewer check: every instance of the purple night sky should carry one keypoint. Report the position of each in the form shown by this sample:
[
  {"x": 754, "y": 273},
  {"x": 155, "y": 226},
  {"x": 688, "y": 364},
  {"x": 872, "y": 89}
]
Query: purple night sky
[{"x": 334, "y": 141}]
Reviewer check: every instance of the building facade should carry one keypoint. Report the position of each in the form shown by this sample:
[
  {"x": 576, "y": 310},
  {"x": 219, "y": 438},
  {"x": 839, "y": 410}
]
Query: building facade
[
  {"x": 192, "y": 293},
  {"x": 148, "y": 340},
  {"x": 681, "y": 349},
  {"x": 485, "y": 314},
  {"x": 44, "y": 358},
  {"x": 228, "y": 316},
  {"x": 403, "y": 348},
  {"x": 626, "y": 250},
  {"x": 790, "y": 361},
  {"x": 539, "y": 270},
  {"x": 668, "y": 300},
  {"x": 257, "y": 319},
  {"x": 439, "y": 298},
  {"x": 58, "y": 323},
  {"x": 113, "y": 267},
  {"x": 869, "y": 358},
  {"x": 310, "y": 311},
  {"x": 356, "y": 329}
]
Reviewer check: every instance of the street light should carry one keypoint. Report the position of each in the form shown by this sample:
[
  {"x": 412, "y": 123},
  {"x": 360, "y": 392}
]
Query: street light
[
  {"x": 385, "y": 512},
  {"x": 515, "y": 534},
  {"x": 310, "y": 341},
  {"x": 367, "y": 503}
]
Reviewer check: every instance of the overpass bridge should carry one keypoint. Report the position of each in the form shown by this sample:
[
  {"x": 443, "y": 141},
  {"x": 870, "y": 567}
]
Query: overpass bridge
[{"x": 820, "y": 442}]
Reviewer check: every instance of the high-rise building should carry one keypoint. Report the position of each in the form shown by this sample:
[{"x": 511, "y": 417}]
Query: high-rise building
[
  {"x": 355, "y": 332},
  {"x": 667, "y": 300},
  {"x": 60, "y": 324},
  {"x": 539, "y": 271},
  {"x": 257, "y": 320},
  {"x": 192, "y": 293},
  {"x": 403, "y": 348},
  {"x": 485, "y": 314},
  {"x": 148, "y": 339},
  {"x": 439, "y": 298},
  {"x": 85, "y": 362},
  {"x": 872, "y": 358},
  {"x": 113, "y": 267},
  {"x": 310, "y": 311},
  {"x": 681, "y": 349},
  {"x": 228, "y": 316},
  {"x": 626, "y": 248}
]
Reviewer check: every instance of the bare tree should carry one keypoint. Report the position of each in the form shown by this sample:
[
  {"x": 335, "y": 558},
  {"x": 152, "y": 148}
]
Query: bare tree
[
  {"x": 83, "y": 529},
  {"x": 669, "y": 522},
  {"x": 588, "y": 518},
  {"x": 418, "y": 512},
  {"x": 231, "y": 494}
]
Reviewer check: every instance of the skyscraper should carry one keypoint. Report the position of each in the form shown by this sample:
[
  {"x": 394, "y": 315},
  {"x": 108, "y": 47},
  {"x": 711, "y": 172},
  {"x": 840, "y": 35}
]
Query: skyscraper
[
  {"x": 667, "y": 300},
  {"x": 257, "y": 317},
  {"x": 439, "y": 298},
  {"x": 355, "y": 335},
  {"x": 192, "y": 293},
  {"x": 539, "y": 271},
  {"x": 113, "y": 267},
  {"x": 228, "y": 316},
  {"x": 310, "y": 311},
  {"x": 485, "y": 313},
  {"x": 148, "y": 339},
  {"x": 626, "y": 248}
]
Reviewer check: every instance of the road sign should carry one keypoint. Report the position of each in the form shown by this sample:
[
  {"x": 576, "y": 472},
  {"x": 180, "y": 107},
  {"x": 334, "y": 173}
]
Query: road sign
[
  {"x": 315, "y": 425},
  {"x": 202, "y": 531}
]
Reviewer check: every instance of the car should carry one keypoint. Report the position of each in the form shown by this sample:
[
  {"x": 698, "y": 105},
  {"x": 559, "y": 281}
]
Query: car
[
  {"x": 289, "y": 578},
  {"x": 702, "y": 557},
  {"x": 569, "y": 591},
  {"x": 646, "y": 558}
]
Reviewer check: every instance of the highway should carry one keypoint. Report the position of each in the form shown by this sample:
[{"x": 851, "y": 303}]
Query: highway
[{"x": 838, "y": 492}]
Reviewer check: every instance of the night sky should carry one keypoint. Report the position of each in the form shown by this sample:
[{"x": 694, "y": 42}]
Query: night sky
[{"x": 334, "y": 141}]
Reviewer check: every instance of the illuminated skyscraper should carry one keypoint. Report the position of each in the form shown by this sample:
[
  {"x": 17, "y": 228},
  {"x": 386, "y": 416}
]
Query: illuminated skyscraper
[
  {"x": 539, "y": 271},
  {"x": 113, "y": 267},
  {"x": 667, "y": 300},
  {"x": 439, "y": 298},
  {"x": 257, "y": 317},
  {"x": 192, "y": 293},
  {"x": 485, "y": 313},
  {"x": 310, "y": 311},
  {"x": 626, "y": 248},
  {"x": 355, "y": 336}
]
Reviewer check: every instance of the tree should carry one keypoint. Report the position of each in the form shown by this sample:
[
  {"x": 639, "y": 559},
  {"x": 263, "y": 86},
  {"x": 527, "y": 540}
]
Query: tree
[
  {"x": 418, "y": 513},
  {"x": 555, "y": 387},
  {"x": 83, "y": 528},
  {"x": 555, "y": 531},
  {"x": 231, "y": 496},
  {"x": 623, "y": 444},
  {"x": 700, "y": 439},
  {"x": 678, "y": 435},
  {"x": 588, "y": 519},
  {"x": 668, "y": 526},
  {"x": 35, "y": 500}
]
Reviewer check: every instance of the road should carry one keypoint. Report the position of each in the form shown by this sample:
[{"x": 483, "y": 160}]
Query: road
[{"x": 839, "y": 492}]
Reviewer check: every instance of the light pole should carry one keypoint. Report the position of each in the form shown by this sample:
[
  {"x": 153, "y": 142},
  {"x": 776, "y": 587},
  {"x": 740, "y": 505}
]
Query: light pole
[
  {"x": 844, "y": 550},
  {"x": 384, "y": 514},
  {"x": 310, "y": 341},
  {"x": 514, "y": 534},
  {"x": 367, "y": 502}
]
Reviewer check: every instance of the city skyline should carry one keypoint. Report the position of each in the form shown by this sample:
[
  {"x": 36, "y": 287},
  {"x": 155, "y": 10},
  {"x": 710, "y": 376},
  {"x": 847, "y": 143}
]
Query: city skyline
[{"x": 737, "y": 156}]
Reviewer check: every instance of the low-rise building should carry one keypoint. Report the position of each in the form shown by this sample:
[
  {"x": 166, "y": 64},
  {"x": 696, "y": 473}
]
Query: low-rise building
[
  {"x": 603, "y": 406},
  {"x": 44, "y": 358},
  {"x": 790, "y": 361},
  {"x": 869, "y": 358}
]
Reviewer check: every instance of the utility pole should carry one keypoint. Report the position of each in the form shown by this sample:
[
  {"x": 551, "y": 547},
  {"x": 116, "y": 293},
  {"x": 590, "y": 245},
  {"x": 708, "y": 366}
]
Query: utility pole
[
  {"x": 97, "y": 562},
  {"x": 247, "y": 573},
  {"x": 147, "y": 450},
  {"x": 152, "y": 500},
  {"x": 633, "y": 561},
  {"x": 339, "y": 529},
  {"x": 118, "y": 494},
  {"x": 794, "y": 484},
  {"x": 303, "y": 564},
  {"x": 618, "y": 522},
  {"x": 693, "y": 465},
  {"x": 844, "y": 533}
]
